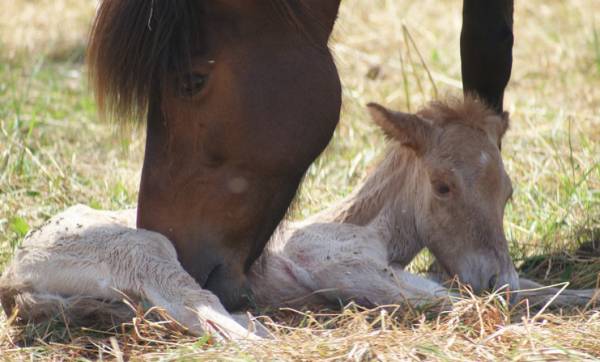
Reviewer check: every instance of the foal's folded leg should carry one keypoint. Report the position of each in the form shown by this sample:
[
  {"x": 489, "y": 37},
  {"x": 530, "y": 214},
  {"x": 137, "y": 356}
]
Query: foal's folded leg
[
  {"x": 539, "y": 295},
  {"x": 197, "y": 309},
  {"x": 377, "y": 284},
  {"x": 89, "y": 271},
  {"x": 38, "y": 286},
  {"x": 145, "y": 263}
]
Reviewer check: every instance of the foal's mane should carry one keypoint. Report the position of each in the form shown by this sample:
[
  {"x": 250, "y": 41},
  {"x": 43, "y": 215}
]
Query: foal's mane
[
  {"x": 469, "y": 111},
  {"x": 135, "y": 44}
]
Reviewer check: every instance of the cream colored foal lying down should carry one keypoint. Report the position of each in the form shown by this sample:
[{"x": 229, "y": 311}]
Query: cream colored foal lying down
[
  {"x": 83, "y": 262},
  {"x": 441, "y": 186}
]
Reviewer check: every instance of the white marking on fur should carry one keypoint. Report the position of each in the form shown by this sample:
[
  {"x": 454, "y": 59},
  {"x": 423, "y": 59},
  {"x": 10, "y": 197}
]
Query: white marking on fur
[
  {"x": 238, "y": 185},
  {"x": 484, "y": 158}
]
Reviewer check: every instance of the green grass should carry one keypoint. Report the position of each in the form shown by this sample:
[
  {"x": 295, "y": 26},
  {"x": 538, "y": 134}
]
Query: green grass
[{"x": 55, "y": 153}]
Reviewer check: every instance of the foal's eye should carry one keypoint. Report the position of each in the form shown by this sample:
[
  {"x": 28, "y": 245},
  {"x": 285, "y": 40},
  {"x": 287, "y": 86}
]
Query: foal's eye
[
  {"x": 191, "y": 84},
  {"x": 441, "y": 188}
]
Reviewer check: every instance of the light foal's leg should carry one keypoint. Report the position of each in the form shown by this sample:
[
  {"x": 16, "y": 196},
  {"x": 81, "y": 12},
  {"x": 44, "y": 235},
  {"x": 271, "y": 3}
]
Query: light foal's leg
[
  {"x": 93, "y": 255},
  {"x": 169, "y": 286},
  {"x": 348, "y": 262},
  {"x": 537, "y": 294},
  {"x": 373, "y": 283}
]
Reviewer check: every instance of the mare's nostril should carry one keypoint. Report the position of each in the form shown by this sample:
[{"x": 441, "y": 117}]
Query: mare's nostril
[
  {"x": 211, "y": 275},
  {"x": 492, "y": 283},
  {"x": 230, "y": 286}
]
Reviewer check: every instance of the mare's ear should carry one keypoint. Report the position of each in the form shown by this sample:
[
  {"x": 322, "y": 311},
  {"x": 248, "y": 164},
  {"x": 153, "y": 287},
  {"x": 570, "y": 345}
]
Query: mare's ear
[
  {"x": 408, "y": 129},
  {"x": 326, "y": 11}
]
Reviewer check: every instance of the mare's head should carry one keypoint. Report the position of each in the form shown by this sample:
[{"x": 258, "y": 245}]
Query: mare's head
[
  {"x": 240, "y": 97},
  {"x": 461, "y": 187}
]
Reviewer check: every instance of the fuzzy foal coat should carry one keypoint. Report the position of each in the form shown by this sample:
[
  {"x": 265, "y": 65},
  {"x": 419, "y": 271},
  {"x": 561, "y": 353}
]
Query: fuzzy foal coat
[{"x": 82, "y": 263}]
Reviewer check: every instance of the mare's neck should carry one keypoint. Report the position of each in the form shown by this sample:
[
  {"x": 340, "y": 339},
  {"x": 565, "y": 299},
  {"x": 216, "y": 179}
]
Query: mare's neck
[{"x": 387, "y": 201}]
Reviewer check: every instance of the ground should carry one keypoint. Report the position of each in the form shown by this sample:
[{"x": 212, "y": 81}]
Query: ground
[{"x": 54, "y": 152}]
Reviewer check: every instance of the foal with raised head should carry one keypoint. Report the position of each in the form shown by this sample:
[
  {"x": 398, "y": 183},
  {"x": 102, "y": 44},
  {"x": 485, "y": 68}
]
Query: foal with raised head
[{"x": 441, "y": 186}]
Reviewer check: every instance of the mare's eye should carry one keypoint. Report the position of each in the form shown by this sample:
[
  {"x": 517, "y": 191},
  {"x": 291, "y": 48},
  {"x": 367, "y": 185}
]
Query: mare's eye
[
  {"x": 441, "y": 188},
  {"x": 191, "y": 84}
]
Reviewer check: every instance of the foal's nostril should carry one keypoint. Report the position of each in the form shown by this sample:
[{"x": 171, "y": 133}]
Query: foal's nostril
[{"x": 492, "y": 284}]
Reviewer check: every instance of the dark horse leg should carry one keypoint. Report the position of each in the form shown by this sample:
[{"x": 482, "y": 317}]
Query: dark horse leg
[{"x": 486, "y": 48}]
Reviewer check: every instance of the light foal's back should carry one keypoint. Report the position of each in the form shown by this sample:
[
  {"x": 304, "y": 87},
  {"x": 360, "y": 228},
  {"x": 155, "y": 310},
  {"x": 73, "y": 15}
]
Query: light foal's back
[{"x": 441, "y": 186}]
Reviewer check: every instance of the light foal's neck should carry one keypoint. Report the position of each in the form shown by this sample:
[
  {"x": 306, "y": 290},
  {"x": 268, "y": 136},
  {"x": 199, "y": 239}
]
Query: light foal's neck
[{"x": 388, "y": 201}]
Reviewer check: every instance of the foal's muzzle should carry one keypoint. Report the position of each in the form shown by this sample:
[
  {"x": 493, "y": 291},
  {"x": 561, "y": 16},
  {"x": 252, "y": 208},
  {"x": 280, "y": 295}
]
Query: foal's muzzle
[{"x": 489, "y": 275}]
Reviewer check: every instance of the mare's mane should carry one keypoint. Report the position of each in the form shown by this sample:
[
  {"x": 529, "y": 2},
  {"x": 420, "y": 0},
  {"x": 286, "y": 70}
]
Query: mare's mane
[{"x": 135, "y": 44}]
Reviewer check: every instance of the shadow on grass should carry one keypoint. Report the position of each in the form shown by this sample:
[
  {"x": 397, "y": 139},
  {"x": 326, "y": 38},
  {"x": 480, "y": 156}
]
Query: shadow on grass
[
  {"x": 146, "y": 331},
  {"x": 581, "y": 267}
]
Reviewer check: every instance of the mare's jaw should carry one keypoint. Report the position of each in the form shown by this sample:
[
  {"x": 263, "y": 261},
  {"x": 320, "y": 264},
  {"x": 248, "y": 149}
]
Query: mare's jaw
[{"x": 212, "y": 247}]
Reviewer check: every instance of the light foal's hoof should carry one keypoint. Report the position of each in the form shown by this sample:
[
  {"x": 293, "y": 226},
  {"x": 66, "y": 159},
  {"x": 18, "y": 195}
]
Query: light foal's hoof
[
  {"x": 226, "y": 327},
  {"x": 254, "y": 325}
]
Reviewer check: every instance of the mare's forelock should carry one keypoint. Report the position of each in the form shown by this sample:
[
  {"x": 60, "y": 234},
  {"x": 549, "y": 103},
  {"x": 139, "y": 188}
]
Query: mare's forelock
[{"x": 133, "y": 45}]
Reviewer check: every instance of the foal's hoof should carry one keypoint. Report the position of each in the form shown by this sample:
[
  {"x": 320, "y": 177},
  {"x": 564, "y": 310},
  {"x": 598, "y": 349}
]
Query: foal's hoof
[
  {"x": 253, "y": 325},
  {"x": 222, "y": 326}
]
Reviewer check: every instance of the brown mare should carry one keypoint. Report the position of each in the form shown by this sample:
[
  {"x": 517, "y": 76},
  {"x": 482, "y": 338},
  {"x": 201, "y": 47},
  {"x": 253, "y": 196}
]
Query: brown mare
[{"x": 240, "y": 97}]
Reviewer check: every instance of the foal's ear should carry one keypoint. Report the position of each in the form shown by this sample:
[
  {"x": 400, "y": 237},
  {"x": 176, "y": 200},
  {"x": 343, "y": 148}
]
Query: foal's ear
[
  {"x": 504, "y": 125},
  {"x": 500, "y": 124},
  {"x": 408, "y": 129}
]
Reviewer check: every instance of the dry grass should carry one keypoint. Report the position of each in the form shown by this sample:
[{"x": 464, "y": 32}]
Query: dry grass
[
  {"x": 53, "y": 28},
  {"x": 477, "y": 329},
  {"x": 54, "y": 153}
]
